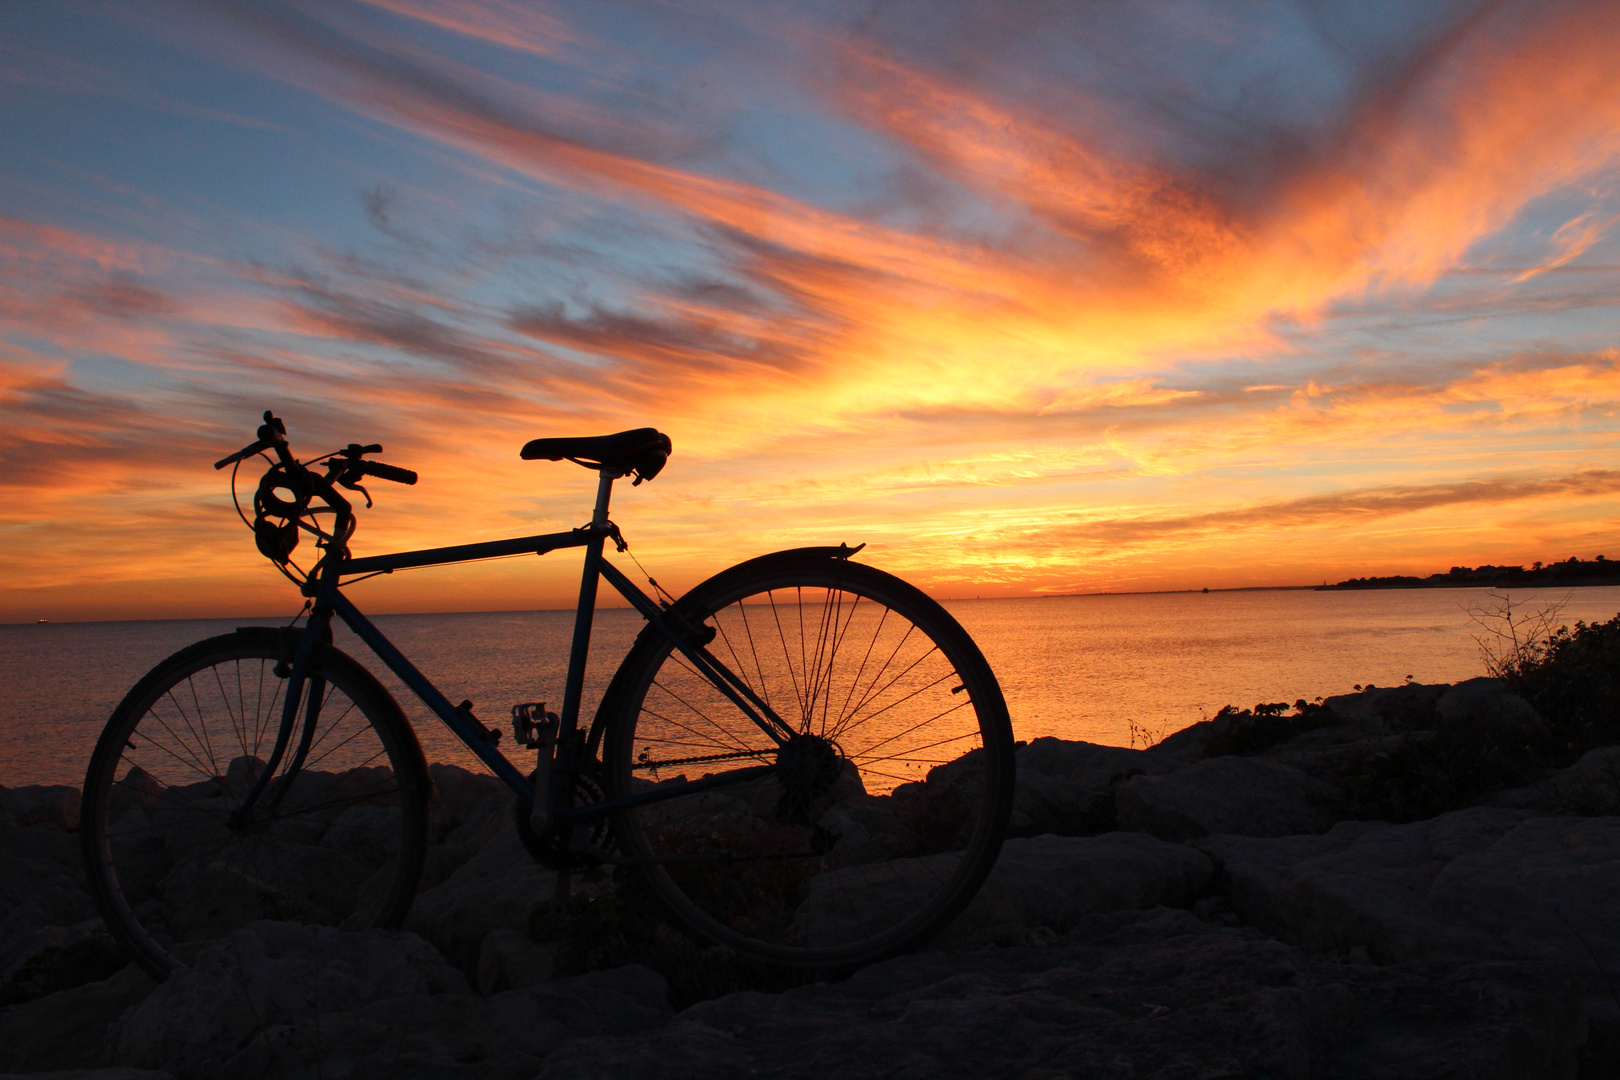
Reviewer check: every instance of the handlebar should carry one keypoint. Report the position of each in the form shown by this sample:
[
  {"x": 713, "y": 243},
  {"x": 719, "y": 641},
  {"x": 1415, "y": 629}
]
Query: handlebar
[
  {"x": 271, "y": 433},
  {"x": 387, "y": 472},
  {"x": 278, "y": 519}
]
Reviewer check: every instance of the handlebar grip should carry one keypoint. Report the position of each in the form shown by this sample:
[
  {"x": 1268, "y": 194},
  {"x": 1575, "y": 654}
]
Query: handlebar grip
[
  {"x": 246, "y": 452},
  {"x": 388, "y": 472}
]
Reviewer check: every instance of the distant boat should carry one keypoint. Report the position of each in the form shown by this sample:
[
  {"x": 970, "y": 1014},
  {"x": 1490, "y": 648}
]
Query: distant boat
[{"x": 44, "y": 620}]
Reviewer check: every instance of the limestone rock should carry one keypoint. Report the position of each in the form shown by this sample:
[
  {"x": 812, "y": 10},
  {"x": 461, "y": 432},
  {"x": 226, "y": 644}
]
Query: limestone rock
[
  {"x": 1328, "y": 753},
  {"x": 1134, "y": 994},
  {"x": 1589, "y": 788},
  {"x": 500, "y": 886},
  {"x": 70, "y": 1029},
  {"x": 1482, "y": 883},
  {"x": 510, "y": 959},
  {"x": 274, "y": 974},
  {"x": 464, "y": 839},
  {"x": 114, "y": 1073},
  {"x": 56, "y": 805},
  {"x": 43, "y": 903},
  {"x": 1068, "y": 787},
  {"x": 453, "y": 1035},
  {"x": 1489, "y": 704},
  {"x": 1248, "y": 796},
  {"x": 1409, "y": 705},
  {"x": 1051, "y": 882}
]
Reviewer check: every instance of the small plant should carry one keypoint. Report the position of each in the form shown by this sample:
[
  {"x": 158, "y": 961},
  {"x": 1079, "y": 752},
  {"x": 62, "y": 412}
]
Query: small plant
[
  {"x": 1144, "y": 737},
  {"x": 1510, "y": 637}
]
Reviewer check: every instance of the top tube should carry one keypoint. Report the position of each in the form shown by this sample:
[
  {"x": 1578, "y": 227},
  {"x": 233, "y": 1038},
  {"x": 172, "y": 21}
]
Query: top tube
[{"x": 538, "y": 544}]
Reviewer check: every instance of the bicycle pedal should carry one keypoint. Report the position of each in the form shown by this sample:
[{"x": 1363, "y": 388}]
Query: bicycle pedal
[{"x": 532, "y": 725}]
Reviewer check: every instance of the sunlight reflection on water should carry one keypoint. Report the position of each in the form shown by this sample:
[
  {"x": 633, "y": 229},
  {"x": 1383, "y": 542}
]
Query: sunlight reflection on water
[{"x": 1079, "y": 667}]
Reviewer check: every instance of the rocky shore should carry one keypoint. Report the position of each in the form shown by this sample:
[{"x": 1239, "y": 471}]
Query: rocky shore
[{"x": 1218, "y": 905}]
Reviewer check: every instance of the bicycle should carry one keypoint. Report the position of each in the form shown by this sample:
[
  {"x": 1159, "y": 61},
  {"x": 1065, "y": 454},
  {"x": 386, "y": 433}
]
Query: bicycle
[{"x": 803, "y": 759}]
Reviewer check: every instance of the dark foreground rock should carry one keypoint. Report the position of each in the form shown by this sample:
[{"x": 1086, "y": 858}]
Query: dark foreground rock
[
  {"x": 1485, "y": 883},
  {"x": 1227, "y": 795},
  {"x": 1478, "y": 943},
  {"x": 284, "y": 1000},
  {"x": 1155, "y": 994},
  {"x": 1042, "y": 887}
]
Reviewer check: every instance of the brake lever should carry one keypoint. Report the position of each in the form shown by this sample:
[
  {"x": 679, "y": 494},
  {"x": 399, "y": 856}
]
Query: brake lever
[{"x": 352, "y": 486}]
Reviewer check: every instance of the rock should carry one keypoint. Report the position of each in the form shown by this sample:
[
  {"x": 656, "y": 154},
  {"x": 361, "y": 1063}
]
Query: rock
[
  {"x": 868, "y": 831},
  {"x": 1052, "y": 882},
  {"x": 43, "y": 903},
  {"x": 1242, "y": 795},
  {"x": 510, "y": 959},
  {"x": 458, "y": 794},
  {"x": 465, "y": 840},
  {"x": 56, "y": 805},
  {"x": 269, "y": 975},
  {"x": 1068, "y": 788},
  {"x": 1328, "y": 753},
  {"x": 70, "y": 1029},
  {"x": 498, "y": 887},
  {"x": 1489, "y": 704},
  {"x": 1588, "y": 788},
  {"x": 1189, "y": 742},
  {"x": 1410, "y": 705},
  {"x": 1134, "y": 994},
  {"x": 453, "y": 1035},
  {"x": 60, "y": 958},
  {"x": 1482, "y": 883},
  {"x": 115, "y": 1073}
]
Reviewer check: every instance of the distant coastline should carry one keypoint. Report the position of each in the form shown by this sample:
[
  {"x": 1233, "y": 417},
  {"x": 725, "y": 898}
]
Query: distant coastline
[{"x": 1571, "y": 572}]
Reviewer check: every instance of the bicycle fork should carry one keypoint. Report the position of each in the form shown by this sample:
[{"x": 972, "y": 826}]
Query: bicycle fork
[{"x": 297, "y": 676}]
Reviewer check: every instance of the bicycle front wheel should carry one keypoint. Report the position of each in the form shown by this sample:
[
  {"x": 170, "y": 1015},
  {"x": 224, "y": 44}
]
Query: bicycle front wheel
[
  {"x": 892, "y": 778},
  {"x": 335, "y": 838}
]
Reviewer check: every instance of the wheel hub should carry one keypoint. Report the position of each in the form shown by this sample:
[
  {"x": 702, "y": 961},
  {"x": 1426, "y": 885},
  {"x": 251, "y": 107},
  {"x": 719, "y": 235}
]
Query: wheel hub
[{"x": 809, "y": 767}]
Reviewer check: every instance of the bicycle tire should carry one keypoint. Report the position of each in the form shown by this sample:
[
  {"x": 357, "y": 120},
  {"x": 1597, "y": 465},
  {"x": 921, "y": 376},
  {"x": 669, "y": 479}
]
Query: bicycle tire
[
  {"x": 343, "y": 843},
  {"x": 846, "y": 863}
]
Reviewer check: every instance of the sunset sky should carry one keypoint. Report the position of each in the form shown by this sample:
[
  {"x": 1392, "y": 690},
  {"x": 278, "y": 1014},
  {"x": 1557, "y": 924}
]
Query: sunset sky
[{"x": 1032, "y": 297}]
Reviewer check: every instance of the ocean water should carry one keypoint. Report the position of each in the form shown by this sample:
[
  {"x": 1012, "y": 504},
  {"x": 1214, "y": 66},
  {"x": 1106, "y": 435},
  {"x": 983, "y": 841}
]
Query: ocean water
[{"x": 1100, "y": 668}]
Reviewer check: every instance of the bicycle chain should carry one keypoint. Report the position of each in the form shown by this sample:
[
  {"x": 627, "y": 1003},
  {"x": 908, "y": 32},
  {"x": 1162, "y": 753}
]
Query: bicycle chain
[{"x": 699, "y": 760}]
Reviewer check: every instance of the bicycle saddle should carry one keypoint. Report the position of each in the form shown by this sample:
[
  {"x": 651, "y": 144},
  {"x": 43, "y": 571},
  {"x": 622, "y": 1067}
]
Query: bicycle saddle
[{"x": 642, "y": 451}]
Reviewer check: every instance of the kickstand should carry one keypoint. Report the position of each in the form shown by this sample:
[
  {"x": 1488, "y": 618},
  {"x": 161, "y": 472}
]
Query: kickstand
[{"x": 559, "y": 899}]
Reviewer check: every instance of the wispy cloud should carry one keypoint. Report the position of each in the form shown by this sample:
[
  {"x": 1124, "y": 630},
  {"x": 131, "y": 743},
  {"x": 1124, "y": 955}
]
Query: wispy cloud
[{"x": 1000, "y": 285}]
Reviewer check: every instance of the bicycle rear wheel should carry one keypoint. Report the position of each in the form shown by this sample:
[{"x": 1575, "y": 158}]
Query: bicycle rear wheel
[
  {"x": 890, "y": 799},
  {"x": 339, "y": 841}
]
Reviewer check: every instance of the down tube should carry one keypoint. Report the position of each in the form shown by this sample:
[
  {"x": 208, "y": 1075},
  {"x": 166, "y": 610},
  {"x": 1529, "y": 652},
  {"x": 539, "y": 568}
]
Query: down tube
[{"x": 431, "y": 697}]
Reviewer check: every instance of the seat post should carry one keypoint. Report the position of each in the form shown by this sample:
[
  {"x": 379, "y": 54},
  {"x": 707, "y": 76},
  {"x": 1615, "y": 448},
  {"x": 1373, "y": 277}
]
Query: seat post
[{"x": 604, "y": 489}]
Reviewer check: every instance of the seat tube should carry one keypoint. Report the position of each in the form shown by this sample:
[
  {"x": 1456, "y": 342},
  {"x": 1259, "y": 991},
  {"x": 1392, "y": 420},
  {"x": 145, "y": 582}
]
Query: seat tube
[{"x": 573, "y": 689}]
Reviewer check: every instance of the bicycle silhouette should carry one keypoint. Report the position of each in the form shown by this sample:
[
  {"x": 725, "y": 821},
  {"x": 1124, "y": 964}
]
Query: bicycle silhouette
[{"x": 803, "y": 759}]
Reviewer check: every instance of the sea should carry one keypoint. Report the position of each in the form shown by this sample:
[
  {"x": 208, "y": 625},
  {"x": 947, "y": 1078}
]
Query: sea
[{"x": 1114, "y": 669}]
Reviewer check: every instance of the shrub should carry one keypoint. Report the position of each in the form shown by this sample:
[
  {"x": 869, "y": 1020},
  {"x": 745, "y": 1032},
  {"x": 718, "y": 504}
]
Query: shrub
[
  {"x": 1572, "y": 677},
  {"x": 1258, "y": 730}
]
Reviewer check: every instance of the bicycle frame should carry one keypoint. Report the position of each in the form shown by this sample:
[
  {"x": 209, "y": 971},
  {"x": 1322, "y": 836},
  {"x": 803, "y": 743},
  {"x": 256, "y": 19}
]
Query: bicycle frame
[{"x": 329, "y": 600}]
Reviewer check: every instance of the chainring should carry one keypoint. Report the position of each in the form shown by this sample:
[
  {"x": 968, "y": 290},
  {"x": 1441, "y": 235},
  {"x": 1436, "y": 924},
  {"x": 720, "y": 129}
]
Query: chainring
[{"x": 552, "y": 849}]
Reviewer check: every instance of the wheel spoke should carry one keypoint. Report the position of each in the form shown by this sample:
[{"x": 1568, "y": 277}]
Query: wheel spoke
[
  {"x": 845, "y": 851},
  {"x": 341, "y": 838}
]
